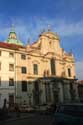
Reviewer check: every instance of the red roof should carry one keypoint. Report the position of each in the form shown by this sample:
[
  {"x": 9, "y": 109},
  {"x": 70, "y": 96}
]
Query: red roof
[{"x": 10, "y": 46}]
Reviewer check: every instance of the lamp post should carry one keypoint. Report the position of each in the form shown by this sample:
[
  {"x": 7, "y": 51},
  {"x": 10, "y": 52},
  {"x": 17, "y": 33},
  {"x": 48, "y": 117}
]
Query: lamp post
[
  {"x": 29, "y": 97},
  {"x": 18, "y": 98}
]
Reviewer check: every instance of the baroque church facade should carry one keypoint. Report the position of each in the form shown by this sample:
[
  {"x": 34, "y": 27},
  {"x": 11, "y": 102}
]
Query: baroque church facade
[{"x": 38, "y": 73}]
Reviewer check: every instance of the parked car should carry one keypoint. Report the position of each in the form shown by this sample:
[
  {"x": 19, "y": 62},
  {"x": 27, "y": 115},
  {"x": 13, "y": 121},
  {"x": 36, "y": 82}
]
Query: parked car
[
  {"x": 26, "y": 108},
  {"x": 68, "y": 114}
]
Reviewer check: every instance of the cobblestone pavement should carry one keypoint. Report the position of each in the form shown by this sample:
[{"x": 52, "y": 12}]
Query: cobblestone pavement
[{"x": 28, "y": 119}]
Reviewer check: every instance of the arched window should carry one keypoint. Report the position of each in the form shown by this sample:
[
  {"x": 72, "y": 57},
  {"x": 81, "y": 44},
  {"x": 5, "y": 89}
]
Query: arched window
[
  {"x": 69, "y": 72},
  {"x": 52, "y": 63}
]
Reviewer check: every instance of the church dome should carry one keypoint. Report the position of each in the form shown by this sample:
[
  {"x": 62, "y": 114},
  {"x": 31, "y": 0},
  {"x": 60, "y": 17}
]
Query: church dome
[
  {"x": 12, "y": 34},
  {"x": 12, "y": 38},
  {"x": 51, "y": 35}
]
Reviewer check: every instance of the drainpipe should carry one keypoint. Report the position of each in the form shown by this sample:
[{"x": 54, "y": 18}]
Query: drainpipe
[{"x": 15, "y": 75}]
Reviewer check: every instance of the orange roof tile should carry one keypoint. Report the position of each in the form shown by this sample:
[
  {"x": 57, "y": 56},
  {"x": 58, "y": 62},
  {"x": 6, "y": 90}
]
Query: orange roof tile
[{"x": 10, "y": 46}]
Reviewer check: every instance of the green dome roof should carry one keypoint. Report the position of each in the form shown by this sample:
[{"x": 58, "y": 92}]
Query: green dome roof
[
  {"x": 14, "y": 41},
  {"x": 13, "y": 38}
]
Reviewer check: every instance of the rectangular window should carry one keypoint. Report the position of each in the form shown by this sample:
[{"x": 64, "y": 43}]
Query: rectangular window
[
  {"x": 69, "y": 72},
  {"x": 0, "y": 81},
  {"x": 11, "y": 99},
  {"x": 35, "y": 69},
  {"x": 52, "y": 63},
  {"x": 23, "y": 56},
  {"x": 0, "y": 65},
  {"x": 11, "y": 54},
  {"x": 11, "y": 67},
  {"x": 24, "y": 86},
  {"x": 0, "y": 53},
  {"x": 23, "y": 70},
  {"x": 11, "y": 82}
]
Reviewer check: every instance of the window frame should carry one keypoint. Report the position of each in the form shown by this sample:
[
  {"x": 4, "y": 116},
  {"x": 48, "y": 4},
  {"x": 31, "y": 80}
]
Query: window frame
[
  {"x": 0, "y": 65},
  {"x": 35, "y": 69},
  {"x": 11, "y": 84},
  {"x": 11, "y": 69},
  {"x": 11, "y": 54},
  {"x": 24, "y": 86},
  {"x": 23, "y": 56},
  {"x": 0, "y": 52},
  {"x": 53, "y": 66},
  {"x": 0, "y": 81},
  {"x": 69, "y": 72},
  {"x": 23, "y": 70}
]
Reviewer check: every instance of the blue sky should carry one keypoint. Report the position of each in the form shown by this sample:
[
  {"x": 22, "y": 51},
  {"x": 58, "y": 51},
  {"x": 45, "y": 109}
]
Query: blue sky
[{"x": 30, "y": 17}]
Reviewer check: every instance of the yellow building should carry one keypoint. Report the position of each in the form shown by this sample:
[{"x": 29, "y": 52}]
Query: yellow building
[{"x": 42, "y": 72}]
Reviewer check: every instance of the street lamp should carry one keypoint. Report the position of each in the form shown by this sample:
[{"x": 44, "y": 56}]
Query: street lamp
[{"x": 29, "y": 97}]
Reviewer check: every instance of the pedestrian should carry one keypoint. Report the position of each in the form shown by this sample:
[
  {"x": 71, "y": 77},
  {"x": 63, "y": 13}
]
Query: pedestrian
[
  {"x": 4, "y": 109},
  {"x": 17, "y": 110}
]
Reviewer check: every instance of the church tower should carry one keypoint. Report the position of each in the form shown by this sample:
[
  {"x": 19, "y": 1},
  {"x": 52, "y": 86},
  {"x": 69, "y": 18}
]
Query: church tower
[{"x": 12, "y": 38}]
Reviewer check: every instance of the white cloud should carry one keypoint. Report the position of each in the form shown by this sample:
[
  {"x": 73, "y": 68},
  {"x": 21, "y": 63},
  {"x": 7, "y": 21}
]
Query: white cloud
[
  {"x": 70, "y": 29},
  {"x": 36, "y": 25},
  {"x": 79, "y": 69},
  {"x": 32, "y": 27}
]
